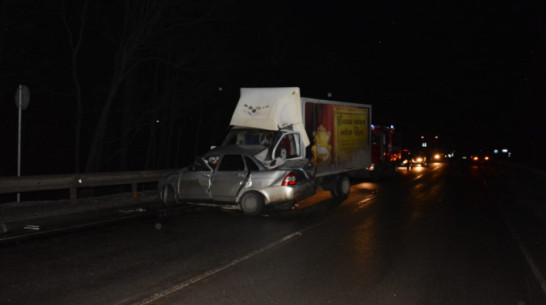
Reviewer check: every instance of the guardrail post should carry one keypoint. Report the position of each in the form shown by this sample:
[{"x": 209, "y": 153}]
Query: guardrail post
[
  {"x": 134, "y": 190},
  {"x": 73, "y": 195}
]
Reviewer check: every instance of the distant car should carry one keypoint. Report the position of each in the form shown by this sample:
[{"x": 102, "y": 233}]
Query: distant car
[
  {"x": 232, "y": 176},
  {"x": 419, "y": 159},
  {"x": 438, "y": 157},
  {"x": 405, "y": 158},
  {"x": 479, "y": 159}
]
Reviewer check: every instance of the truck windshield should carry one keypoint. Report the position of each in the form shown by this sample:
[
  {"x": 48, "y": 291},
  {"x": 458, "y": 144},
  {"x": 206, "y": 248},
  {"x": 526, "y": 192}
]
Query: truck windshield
[{"x": 250, "y": 137}]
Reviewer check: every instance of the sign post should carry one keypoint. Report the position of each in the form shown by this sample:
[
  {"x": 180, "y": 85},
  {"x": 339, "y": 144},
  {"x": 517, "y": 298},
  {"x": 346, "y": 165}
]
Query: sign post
[{"x": 22, "y": 100}]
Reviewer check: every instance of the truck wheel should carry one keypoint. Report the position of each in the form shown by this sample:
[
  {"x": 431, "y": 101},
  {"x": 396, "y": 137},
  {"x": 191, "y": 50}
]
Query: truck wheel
[
  {"x": 342, "y": 188},
  {"x": 168, "y": 195},
  {"x": 252, "y": 204}
]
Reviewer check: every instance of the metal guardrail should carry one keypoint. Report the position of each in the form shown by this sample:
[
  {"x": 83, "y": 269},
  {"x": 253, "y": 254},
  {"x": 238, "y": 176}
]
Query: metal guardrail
[{"x": 72, "y": 182}]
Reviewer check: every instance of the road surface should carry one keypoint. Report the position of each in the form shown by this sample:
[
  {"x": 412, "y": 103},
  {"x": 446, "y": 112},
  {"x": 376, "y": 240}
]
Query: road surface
[{"x": 445, "y": 234}]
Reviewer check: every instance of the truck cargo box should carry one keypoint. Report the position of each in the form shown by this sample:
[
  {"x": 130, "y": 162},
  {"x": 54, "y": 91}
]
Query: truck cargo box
[{"x": 340, "y": 134}]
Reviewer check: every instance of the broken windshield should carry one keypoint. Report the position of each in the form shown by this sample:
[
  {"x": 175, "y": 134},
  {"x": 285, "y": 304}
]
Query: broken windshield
[{"x": 250, "y": 137}]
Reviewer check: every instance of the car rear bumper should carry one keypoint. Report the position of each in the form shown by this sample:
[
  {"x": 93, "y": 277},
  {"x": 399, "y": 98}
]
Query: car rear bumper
[{"x": 287, "y": 194}]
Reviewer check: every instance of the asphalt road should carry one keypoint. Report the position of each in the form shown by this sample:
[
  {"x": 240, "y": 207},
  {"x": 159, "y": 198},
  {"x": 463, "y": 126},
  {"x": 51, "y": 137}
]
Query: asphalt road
[{"x": 446, "y": 234}]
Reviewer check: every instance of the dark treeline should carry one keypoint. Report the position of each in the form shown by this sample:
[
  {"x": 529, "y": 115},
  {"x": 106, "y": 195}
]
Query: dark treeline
[
  {"x": 141, "y": 85},
  {"x": 126, "y": 85}
]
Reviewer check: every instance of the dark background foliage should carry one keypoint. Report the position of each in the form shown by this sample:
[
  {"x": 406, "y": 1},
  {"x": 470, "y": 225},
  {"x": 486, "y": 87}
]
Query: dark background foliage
[{"x": 134, "y": 85}]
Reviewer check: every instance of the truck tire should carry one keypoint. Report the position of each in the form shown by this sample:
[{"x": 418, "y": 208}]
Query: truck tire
[
  {"x": 342, "y": 188},
  {"x": 252, "y": 204}
]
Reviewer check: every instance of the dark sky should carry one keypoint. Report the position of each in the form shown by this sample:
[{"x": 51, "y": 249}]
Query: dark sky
[{"x": 471, "y": 72}]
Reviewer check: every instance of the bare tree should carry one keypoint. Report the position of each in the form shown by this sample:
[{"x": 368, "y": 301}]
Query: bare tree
[
  {"x": 137, "y": 26},
  {"x": 75, "y": 39}
]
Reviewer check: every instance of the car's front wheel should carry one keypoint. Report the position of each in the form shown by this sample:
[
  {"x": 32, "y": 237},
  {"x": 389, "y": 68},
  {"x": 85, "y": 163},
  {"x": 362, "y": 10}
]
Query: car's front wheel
[
  {"x": 252, "y": 204},
  {"x": 168, "y": 195}
]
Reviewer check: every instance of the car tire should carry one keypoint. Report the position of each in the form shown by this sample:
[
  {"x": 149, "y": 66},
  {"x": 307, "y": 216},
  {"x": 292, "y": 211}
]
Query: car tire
[
  {"x": 252, "y": 204},
  {"x": 168, "y": 195}
]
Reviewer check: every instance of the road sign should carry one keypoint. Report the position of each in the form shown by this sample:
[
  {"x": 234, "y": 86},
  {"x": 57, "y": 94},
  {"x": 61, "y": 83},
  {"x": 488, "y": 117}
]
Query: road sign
[{"x": 22, "y": 97}]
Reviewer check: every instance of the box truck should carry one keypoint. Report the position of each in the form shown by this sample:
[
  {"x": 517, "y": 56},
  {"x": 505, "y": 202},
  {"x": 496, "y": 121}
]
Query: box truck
[{"x": 334, "y": 136}]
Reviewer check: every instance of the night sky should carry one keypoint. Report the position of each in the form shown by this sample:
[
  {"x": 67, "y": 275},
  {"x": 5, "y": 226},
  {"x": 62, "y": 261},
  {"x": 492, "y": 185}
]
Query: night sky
[{"x": 470, "y": 72}]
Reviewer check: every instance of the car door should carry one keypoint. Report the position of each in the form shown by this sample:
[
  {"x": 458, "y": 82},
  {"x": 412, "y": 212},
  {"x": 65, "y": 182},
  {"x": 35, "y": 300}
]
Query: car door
[
  {"x": 195, "y": 184},
  {"x": 228, "y": 178}
]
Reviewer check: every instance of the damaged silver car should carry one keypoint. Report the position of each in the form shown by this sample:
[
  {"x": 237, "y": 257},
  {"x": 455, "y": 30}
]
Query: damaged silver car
[{"x": 234, "y": 177}]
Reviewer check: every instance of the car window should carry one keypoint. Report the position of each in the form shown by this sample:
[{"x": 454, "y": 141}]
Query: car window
[
  {"x": 251, "y": 165},
  {"x": 232, "y": 163}
]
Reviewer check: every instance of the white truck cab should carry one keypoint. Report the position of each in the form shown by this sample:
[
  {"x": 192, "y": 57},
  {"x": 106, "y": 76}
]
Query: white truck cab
[
  {"x": 271, "y": 117},
  {"x": 279, "y": 145}
]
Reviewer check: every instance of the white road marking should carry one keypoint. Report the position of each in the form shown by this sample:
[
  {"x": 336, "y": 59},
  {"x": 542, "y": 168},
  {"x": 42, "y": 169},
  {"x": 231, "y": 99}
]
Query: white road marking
[
  {"x": 211, "y": 272},
  {"x": 538, "y": 275}
]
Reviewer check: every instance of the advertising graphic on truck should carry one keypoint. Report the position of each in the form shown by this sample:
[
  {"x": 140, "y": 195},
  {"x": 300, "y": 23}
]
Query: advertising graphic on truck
[{"x": 341, "y": 135}]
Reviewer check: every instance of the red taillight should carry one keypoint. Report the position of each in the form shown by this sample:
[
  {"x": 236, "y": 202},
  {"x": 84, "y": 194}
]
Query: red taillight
[{"x": 289, "y": 179}]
